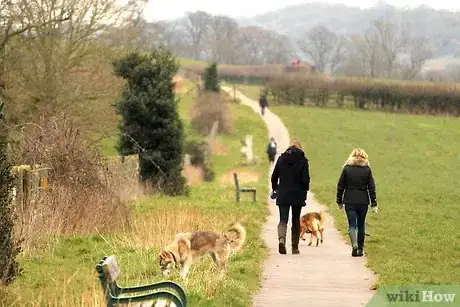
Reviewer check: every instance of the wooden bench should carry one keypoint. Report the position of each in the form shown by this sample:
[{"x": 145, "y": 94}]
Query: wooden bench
[
  {"x": 108, "y": 271},
  {"x": 243, "y": 189}
]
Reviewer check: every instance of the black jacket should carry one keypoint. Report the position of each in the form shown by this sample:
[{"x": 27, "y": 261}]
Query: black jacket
[
  {"x": 292, "y": 171},
  {"x": 356, "y": 184},
  {"x": 271, "y": 151},
  {"x": 263, "y": 102}
]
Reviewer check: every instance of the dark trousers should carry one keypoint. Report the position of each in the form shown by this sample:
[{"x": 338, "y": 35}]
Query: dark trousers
[
  {"x": 262, "y": 111},
  {"x": 356, "y": 215},
  {"x": 284, "y": 218}
]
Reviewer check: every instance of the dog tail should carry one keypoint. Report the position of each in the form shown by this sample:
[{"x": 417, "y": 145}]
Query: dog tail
[
  {"x": 183, "y": 246},
  {"x": 238, "y": 243}
]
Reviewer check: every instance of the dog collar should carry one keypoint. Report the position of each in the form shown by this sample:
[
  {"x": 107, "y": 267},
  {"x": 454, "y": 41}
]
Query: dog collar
[{"x": 174, "y": 257}]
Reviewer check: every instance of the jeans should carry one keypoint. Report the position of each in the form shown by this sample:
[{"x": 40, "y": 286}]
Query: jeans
[
  {"x": 356, "y": 215},
  {"x": 295, "y": 228}
]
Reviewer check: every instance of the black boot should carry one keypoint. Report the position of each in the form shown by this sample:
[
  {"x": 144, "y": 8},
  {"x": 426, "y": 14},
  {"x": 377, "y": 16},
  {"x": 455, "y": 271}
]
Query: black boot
[
  {"x": 361, "y": 237},
  {"x": 353, "y": 233},
  {"x": 354, "y": 252},
  {"x": 295, "y": 237},
  {"x": 282, "y": 229}
]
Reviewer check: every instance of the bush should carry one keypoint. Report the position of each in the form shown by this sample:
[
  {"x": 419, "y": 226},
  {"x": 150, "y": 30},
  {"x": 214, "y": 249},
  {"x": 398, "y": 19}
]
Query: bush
[
  {"x": 78, "y": 199},
  {"x": 211, "y": 78},
  {"x": 200, "y": 155},
  {"x": 150, "y": 123},
  {"x": 209, "y": 108},
  {"x": 9, "y": 247}
]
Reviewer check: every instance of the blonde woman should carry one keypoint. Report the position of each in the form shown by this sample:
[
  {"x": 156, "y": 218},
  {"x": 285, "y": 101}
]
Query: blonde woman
[{"x": 355, "y": 190}]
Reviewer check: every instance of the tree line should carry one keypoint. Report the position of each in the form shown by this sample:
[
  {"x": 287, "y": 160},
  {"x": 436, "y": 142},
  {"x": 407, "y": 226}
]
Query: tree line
[
  {"x": 216, "y": 38},
  {"x": 387, "y": 48}
]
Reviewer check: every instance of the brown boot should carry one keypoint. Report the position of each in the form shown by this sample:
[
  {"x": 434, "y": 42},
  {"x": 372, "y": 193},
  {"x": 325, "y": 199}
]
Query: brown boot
[{"x": 282, "y": 229}]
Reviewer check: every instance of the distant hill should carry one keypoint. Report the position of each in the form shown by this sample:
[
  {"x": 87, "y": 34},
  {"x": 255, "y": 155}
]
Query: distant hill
[{"x": 442, "y": 27}]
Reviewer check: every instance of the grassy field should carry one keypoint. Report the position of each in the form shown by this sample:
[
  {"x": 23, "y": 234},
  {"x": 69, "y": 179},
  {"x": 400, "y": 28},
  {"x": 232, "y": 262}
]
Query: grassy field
[
  {"x": 415, "y": 238},
  {"x": 63, "y": 274}
]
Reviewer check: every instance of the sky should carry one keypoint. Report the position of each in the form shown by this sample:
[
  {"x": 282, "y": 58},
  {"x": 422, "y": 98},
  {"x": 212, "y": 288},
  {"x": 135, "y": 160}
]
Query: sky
[{"x": 171, "y": 9}]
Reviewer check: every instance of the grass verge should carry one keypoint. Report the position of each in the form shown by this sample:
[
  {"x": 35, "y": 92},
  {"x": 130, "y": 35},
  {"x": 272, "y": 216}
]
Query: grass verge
[
  {"x": 64, "y": 274},
  {"x": 415, "y": 238}
]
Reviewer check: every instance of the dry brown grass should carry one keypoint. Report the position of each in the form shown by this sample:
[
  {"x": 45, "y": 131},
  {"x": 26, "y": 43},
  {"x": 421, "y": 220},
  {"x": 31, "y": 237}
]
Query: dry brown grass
[
  {"x": 209, "y": 108},
  {"x": 217, "y": 147},
  {"x": 78, "y": 200},
  {"x": 147, "y": 233},
  {"x": 193, "y": 174},
  {"x": 244, "y": 176}
]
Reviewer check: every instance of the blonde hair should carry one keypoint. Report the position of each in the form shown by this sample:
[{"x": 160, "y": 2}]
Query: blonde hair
[
  {"x": 297, "y": 144},
  {"x": 357, "y": 154}
]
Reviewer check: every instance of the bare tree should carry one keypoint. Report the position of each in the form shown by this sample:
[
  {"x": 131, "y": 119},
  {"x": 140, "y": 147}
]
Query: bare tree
[
  {"x": 48, "y": 53},
  {"x": 196, "y": 27},
  {"x": 324, "y": 48},
  {"x": 418, "y": 51},
  {"x": 12, "y": 23},
  {"x": 392, "y": 39},
  {"x": 222, "y": 39},
  {"x": 249, "y": 45},
  {"x": 260, "y": 46}
]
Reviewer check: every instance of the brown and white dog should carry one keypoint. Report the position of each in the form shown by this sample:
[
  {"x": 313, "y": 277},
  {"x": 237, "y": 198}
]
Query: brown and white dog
[
  {"x": 187, "y": 247},
  {"x": 312, "y": 223}
]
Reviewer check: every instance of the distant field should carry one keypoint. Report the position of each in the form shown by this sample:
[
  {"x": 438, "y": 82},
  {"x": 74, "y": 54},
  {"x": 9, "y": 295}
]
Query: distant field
[{"x": 415, "y": 239}]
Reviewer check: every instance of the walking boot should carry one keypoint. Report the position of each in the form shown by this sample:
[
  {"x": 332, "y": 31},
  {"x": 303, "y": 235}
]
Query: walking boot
[
  {"x": 295, "y": 237},
  {"x": 282, "y": 229},
  {"x": 353, "y": 232},
  {"x": 361, "y": 237}
]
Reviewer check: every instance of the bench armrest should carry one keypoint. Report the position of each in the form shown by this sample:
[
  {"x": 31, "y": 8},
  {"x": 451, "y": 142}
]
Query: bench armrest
[
  {"x": 150, "y": 296},
  {"x": 155, "y": 286}
]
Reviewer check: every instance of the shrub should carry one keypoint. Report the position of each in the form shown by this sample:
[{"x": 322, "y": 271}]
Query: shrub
[
  {"x": 78, "y": 199},
  {"x": 386, "y": 95},
  {"x": 150, "y": 123},
  {"x": 200, "y": 155},
  {"x": 211, "y": 78},
  {"x": 209, "y": 108},
  {"x": 9, "y": 247}
]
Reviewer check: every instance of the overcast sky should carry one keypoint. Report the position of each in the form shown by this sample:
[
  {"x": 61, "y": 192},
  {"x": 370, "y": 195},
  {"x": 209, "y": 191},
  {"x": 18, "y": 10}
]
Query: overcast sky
[{"x": 169, "y": 9}]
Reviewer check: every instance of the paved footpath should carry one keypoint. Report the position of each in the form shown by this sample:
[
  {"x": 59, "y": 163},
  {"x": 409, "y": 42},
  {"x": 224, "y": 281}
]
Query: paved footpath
[{"x": 320, "y": 276}]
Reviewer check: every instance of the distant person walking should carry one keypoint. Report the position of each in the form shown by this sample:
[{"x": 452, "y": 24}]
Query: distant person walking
[
  {"x": 290, "y": 183},
  {"x": 272, "y": 150},
  {"x": 355, "y": 189},
  {"x": 263, "y": 102}
]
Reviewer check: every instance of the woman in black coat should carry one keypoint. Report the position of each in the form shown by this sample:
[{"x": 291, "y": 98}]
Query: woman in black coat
[
  {"x": 356, "y": 189},
  {"x": 290, "y": 184}
]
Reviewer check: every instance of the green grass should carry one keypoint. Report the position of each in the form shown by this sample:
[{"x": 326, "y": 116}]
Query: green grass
[
  {"x": 64, "y": 274},
  {"x": 415, "y": 238}
]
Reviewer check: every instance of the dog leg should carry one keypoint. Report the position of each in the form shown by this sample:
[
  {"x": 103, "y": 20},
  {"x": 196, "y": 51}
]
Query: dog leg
[
  {"x": 302, "y": 234},
  {"x": 222, "y": 259},
  {"x": 311, "y": 238},
  {"x": 321, "y": 232},
  {"x": 185, "y": 268}
]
